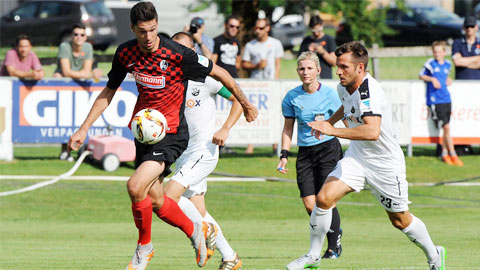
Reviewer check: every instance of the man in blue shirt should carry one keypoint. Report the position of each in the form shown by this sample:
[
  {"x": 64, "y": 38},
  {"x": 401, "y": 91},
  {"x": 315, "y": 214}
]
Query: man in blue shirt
[
  {"x": 435, "y": 73},
  {"x": 466, "y": 52}
]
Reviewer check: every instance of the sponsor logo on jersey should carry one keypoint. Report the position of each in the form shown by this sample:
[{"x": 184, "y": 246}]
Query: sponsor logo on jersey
[
  {"x": 365, "y": 105},
  {"x": 202, "y": 60},
  {"x": 149, "y": 81},
  {"x": 192, "y": 103}
]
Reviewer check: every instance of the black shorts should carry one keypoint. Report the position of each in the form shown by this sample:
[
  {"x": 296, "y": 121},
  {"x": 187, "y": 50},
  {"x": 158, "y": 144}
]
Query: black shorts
[
  {"x": 440, "y": 113},
  {"x": 314, "y": 163},
  {"x": 167, "y": 150}
]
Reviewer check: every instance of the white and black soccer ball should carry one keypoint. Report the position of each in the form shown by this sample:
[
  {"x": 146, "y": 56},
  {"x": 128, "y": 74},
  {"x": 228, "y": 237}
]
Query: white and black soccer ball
[{"x": 149, "y": 126}]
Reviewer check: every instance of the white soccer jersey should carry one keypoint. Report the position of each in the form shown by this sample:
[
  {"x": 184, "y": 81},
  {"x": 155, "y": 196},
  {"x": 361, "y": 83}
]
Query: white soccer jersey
[
  {"x": 200, "y": 113},
  {"x": 383, "y": 156}
]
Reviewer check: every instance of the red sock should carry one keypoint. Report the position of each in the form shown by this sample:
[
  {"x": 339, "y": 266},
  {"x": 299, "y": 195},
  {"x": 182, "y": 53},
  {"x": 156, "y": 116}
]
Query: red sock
[
  {"x": 142, "y": 215},
  {"x": 173, "y": 215}
]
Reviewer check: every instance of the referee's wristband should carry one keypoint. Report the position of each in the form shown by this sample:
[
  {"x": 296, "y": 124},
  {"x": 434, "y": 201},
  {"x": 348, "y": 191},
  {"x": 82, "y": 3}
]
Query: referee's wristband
[{"x": 284, "y": 153}]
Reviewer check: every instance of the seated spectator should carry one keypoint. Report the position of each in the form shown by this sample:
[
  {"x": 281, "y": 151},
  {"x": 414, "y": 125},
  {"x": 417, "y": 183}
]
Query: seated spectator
[
  {"x": 322, "y": 44},
  {"x": 75, "y": 58},
  {"x": 21, "y": 61},
  {"x": 435, "y": 73}
]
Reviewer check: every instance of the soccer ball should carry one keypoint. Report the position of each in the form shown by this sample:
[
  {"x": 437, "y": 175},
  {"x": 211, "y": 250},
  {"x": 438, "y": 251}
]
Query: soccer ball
[{"x": 149, "y": 126}]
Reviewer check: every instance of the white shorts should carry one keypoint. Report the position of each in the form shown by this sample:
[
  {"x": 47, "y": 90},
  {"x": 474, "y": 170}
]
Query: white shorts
[
  {"x": 390, "y": 191},
  {"x": 192, "y": 171}
]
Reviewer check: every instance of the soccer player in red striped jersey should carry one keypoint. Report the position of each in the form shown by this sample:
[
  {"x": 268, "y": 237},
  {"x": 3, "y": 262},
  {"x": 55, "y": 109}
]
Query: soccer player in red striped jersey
[{"x": 161, "y": 69}]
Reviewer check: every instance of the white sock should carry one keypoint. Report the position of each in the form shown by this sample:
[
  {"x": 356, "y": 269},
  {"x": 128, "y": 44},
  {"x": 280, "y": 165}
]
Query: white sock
[
  {"x": 190, "y": 210},
  {"x": 222, "y": 245},
  {"x": 418, "y": 234},
  {"x": 320, "y": 221}
]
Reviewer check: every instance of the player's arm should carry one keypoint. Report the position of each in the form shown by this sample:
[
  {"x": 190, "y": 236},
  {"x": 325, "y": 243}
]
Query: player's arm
[
  {"x": 430, "y": 79},
  {"x": 337, "y": 116},
  {"x": 214, "y": 58},
  {"x": 238, "y": 62},
  {"x": 236, "y": 110},
  {"x": 220, "y": 74},
  {"x": 369, "y": 131},
  {"x": 249, "y": 65},
  {"x": 100, "y": 104},
  {"x": 68, "y": 72},
  {"x": 287, "y": 134}
]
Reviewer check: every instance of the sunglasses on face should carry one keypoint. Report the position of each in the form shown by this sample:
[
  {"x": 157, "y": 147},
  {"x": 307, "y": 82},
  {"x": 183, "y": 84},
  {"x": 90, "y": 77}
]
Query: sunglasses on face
[
  {"x": 77, "y": 34},
  {"x": 260, "y": 28},
  {"x": 234, "y": 26},
  {"x": 470, "y": 26}
]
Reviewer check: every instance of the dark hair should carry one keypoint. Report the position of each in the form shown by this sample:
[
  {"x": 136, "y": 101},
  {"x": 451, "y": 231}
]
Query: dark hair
[
  {"x": 359, "y": 52},
  {"x": 267, "y": 21},
  {"x": 231, "y": 17},
  {"x": 143, "y": 12},
  {"x": 315, "y": 20},
  {"x": 79, "y": 26},
  {"x": 22, "y": 37},
  {"x": 180, "y": 35}
]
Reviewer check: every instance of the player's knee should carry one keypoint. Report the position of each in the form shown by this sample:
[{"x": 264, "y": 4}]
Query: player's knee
[
  {"x": 324, "y": 201},
  {"x": 446, "y": 128},
  {"x": 134, "y": 189}
]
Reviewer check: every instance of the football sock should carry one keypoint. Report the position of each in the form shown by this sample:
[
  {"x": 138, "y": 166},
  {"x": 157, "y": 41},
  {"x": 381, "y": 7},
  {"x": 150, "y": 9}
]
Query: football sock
[
  {"x": 190, "y": 210},
  {"x": 142, "y": 215},
  {"x": 444, "y": 152},
  {"x": 173, "y": 215},
  {"x": 418, "y": 234},
  {"x": 320, "y": 221},
  {"x": 222, "y": 244},
  {"x": 332, "y": 235},
  {"x": 454, "y": 153}
]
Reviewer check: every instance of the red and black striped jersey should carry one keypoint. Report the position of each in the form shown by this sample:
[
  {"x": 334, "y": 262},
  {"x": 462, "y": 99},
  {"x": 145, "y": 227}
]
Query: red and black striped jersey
[{"x": 161, "y": 77}]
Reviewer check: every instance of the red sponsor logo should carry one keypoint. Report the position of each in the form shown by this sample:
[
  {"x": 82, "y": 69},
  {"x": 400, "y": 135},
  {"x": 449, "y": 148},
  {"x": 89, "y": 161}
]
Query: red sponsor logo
[{"x": 149, "y": 81}]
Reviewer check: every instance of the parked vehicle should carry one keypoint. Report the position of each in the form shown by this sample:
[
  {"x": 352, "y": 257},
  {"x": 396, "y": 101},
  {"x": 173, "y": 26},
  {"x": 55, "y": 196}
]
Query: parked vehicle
[
  {"x": 420, "y": 25},
  {"x": 49, "y": 22},
  {"x": 289, "y": 29}
]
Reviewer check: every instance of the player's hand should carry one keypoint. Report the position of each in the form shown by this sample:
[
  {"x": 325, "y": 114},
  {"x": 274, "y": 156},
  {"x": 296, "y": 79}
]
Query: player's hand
[
  {"x": 250, "y": 112},
  {"x": 320, "y": 49},
  {"x": 436, "y": 83},
  {"x": 76, "y": 140},
  {"x": 220, "y": 136},
  {"x": 262, "y": 64},
  {"x": 282, "y": 166},
  {"x": 321, "y": 128}
]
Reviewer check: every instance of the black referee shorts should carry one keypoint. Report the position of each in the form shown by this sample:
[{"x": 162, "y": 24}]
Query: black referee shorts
[
  {"x": 167, "y": 150},
  {"x": 440, "y": 113},
  {"x": 314, "y": 163}
]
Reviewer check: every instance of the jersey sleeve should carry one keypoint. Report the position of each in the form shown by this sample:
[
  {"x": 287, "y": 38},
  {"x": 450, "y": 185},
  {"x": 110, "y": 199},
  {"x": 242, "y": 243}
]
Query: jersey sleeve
[
  {"x": 36, "y": 65},
  {"x": 216, "y": 45},
  {"x": 195, "y": 67},
  {"x": 287, "y": 107},
  {"x": 213, "y": 85},
  {"x": 88, "y": 49},
  {"x": 10, "y": 58},
  {"x": 331, "y": 46},
  {"x": 427, "y": 68},
  {"x": 370, "y": 105},
  {"x": 278, "y": 49},
  {"x": 246, "y": 54},
  {"x": 117, "y": 73}
]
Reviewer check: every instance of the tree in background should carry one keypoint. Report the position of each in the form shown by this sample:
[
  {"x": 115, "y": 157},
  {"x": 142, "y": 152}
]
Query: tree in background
[{"x": 367, "y": 22}]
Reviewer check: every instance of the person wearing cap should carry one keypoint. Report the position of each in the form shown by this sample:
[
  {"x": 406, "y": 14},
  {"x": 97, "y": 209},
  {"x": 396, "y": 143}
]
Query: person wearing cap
[
  {"x": 322, "y": 44},
  {"x": 466, "y": 52},
  {"x": 203, "y": 43}
]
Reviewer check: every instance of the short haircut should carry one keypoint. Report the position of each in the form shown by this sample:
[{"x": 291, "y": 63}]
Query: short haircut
[
  {"x": 315, "y": 20},
  {"x": 180, "y": 35},
  {"x": 143, "y": 12},
  {"x": 79, "y": 26},
  {"x": 231, "y": 17},
  {"x": 267, "y": 21},
  {"x": 359, "y": 52},
  {"x": 441, "y": 43},
  {"x": 22, "y": 37},
  {"x": 308, "y": 55}
]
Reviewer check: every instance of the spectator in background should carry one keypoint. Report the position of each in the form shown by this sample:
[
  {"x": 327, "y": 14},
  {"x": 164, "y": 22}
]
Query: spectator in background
[
  {"x": 75, "y": 60},
  {"x": 21, "y": 61},
  {"x": 262, "y": 58},
  {"x": 466, "y": 52},
  {"x": 435, "y": 73},
  {"x": 321, "y": 43},
  {"x": 226, "y": 52},
  {"x": 203, "y": 43}
]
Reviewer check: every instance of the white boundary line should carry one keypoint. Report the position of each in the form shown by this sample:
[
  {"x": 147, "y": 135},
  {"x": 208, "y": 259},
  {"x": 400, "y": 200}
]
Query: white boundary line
[{"x": 210, "y": 179}]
